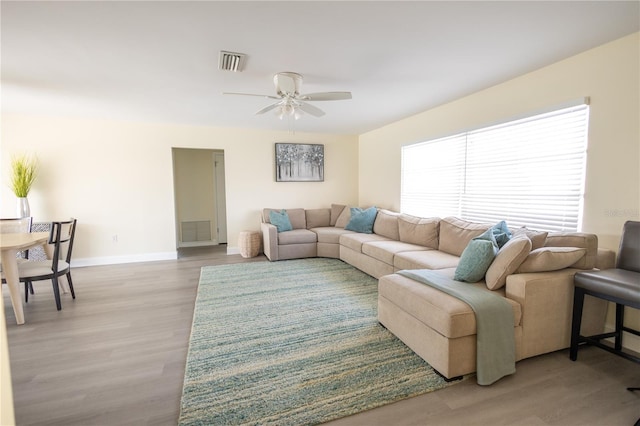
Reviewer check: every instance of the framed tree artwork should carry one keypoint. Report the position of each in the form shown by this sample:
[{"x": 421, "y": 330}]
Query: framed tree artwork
[{"x": 296, "y": 162}]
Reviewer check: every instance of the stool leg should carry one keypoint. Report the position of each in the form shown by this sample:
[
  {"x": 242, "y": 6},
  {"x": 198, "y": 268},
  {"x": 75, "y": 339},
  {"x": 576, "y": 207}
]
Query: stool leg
[
  {"x": 619, "y": 322},
  {"x": 578, "y": 301}
]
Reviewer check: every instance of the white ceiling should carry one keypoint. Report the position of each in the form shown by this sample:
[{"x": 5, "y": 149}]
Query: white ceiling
[{"x": 158, "y": 61}]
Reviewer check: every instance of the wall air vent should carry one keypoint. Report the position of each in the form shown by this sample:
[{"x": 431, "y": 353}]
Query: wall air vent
[
  {"x": 196, "y": 231},
  {"x": 231, "y": 61}
]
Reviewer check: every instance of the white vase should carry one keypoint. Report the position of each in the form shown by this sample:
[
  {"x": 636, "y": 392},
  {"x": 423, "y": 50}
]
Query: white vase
[{"x": 23, "y": 207}]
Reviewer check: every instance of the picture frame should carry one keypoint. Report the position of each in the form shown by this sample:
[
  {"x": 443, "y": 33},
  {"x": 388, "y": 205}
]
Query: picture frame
[{"x": 298, "y": 162}]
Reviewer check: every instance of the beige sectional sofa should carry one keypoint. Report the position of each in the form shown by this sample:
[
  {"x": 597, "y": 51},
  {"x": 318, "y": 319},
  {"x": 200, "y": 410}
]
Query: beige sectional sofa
[{"x": 534, "y": 274}]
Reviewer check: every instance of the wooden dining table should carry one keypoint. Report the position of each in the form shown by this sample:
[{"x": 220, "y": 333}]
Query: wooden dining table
[{"x": 10, "y": 245}]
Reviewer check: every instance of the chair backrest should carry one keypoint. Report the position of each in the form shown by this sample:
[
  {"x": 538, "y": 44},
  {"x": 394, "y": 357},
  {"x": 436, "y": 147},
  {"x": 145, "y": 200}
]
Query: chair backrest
[
  {"x": 15, "y": 226},
  {"x": 629, "y": 253},
  {"x": 61, "y": 236},
  {"x": 68, "y": 246}
]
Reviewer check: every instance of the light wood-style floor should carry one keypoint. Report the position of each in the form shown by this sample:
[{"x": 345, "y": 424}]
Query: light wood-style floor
[{"x": 116, "y": 356}]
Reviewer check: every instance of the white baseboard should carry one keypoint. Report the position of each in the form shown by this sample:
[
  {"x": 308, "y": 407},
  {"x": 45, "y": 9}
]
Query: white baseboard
[
  {"x": 233, "y": 250},
  {"x": 112, "y": 260}
]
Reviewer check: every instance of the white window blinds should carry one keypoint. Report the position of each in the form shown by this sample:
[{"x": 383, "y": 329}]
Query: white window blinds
[
  {"x": 527, "y": 172},
  {"x": 433, "y": 177}
]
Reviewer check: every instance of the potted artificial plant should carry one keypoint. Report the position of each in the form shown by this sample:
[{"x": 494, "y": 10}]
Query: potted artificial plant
[{"x": 24, "y": 170}]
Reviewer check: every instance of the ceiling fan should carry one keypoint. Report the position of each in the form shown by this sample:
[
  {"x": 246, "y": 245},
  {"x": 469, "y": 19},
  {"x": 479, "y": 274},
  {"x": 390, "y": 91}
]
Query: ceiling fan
[{"x": 290, "y": 103}]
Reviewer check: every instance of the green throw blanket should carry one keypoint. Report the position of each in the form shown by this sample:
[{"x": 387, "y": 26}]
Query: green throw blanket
[{"x": 494, "y": 324}]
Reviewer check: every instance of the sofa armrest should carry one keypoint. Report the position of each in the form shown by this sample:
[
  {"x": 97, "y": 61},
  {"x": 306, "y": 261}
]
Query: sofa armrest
[
  {"x": 547, "y": 305},
  {"x": 270, "y": 240}
]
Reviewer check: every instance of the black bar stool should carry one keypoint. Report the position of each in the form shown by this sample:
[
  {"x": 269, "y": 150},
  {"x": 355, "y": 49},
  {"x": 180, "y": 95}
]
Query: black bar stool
[{"x": 620, "y": 285}]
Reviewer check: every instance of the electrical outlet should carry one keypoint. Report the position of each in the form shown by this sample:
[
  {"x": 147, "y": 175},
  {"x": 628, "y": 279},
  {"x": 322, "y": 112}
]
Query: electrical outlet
[{"x": 115, "y": 238}]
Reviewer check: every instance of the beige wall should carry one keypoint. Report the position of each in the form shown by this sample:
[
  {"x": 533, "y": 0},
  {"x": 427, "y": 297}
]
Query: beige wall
[
  {"x": 117, "y": 179},
  {"x": 609, "y": 75}
]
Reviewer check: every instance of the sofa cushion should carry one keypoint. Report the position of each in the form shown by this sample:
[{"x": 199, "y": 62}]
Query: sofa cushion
[
  {"x": 455, "y": 234},
  {"x": 386, "y": 224},
  {"x": 298, "y": 218},
  {"x": 537, "y": 238},
  {"x": 477, "y": 257},
  {"x": 317, "y": 217},
  {"x": 447, "y": 315},
  {"x": 589, "y": 242},
  {"x": 344, "y": 217},
  {"x": 547, "y": 259},
  {"x": 354, "y": 240},
  {"x": 330, "y": 234},
  {"x": 418, "y": 230},
  {"x": 336, "y": 210},
  {"x": 517, "y": 307},
  {"x": 296, "y": 236},
  {"x": 362, "y": 220},
  {"x": 266, "y": 213},
  {"x": 280, "y": 219},
  {"x": 386, "y": 250},
  {"x": 509, "y": 258},
  {"x": 425, "y": 259}
]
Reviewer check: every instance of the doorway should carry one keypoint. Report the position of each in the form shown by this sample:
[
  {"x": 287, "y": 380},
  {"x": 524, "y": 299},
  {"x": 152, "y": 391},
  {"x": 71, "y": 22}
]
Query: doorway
[{"x": 200, "y": 201}]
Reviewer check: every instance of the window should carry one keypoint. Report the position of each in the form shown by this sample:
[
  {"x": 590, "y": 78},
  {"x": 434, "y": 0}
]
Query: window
[{"x": 527, "y": 172}]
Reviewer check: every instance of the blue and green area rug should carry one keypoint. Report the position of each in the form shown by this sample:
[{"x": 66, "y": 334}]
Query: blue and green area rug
[{"x": 292, "y": 343}]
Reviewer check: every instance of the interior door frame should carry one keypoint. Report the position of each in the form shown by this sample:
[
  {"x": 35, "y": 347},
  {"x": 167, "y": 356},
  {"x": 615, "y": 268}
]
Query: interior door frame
[{"x": 219, "y": 224}]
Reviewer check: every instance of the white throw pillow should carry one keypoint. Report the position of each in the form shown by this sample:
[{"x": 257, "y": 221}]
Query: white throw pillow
[
  {"x": 547, "y": 259},
  {"x": 509, "y": 258}
]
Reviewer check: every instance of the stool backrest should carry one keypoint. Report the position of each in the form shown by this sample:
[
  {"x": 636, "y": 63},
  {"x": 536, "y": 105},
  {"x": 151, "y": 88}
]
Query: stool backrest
[{"x": 629, "y": 253}]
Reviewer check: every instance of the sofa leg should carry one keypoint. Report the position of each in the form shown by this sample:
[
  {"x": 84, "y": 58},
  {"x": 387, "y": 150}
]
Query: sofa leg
[{"x": 446, "y": 379}]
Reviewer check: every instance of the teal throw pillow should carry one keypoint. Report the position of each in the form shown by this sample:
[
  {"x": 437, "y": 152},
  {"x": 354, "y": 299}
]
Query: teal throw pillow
[
  {"x": 362, "y": 220},
  {"x": 280, "y": 220},
  {"x": 476, "y": 258},
  {"x": 501, "y": 233}
]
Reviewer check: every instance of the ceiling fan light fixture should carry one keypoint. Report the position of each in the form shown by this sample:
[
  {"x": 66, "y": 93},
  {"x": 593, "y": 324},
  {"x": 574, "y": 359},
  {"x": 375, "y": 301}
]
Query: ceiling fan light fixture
[
  {"x": 288, "y": 110},
  {"x": 282, "y": 111}
]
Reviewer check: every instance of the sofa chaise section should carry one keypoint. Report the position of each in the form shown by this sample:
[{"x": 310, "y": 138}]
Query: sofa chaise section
[{"x": 441, "y": 329}]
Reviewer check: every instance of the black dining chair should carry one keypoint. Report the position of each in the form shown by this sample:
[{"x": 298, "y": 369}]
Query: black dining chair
[
  {"x": 620, "y": 285},
  {"x": 61, "y": 236}
]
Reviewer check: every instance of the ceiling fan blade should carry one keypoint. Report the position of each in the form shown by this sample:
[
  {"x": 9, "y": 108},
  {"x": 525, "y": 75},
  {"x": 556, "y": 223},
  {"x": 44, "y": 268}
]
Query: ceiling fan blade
[
  {"x": 268, "y": 108},
  {"x": 251, "y": 94},
  {"x": 310, "y": 109},
  {"x": 326, "y": 96}
]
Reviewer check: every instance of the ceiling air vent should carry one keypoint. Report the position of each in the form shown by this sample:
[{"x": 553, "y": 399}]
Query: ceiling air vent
[{"x": 231, "y": 61}]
